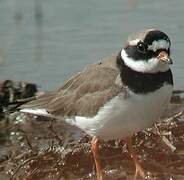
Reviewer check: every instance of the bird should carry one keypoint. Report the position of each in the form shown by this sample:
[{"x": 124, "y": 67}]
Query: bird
[{"x": 115, "y": 97}]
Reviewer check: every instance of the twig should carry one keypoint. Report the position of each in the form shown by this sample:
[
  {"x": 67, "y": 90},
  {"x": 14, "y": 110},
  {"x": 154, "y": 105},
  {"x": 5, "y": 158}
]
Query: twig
[
  {"x": 21, "y": 101},
  {"x": 21, "y": 165},
  {"x": 176, "y": 115},
  {"x": 28, "y": 142},
  {"x": 165, "y": 140},
  {"x": 178, "y": 91}
]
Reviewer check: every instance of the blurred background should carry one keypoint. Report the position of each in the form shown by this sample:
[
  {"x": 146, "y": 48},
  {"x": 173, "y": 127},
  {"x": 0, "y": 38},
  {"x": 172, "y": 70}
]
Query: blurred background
[{"x": 45, "y": 42}]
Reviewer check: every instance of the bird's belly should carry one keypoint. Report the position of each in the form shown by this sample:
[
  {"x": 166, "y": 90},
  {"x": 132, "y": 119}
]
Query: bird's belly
[{"x": 122, "y": 117}]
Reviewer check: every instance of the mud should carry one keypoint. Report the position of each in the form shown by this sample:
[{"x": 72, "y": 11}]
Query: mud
[{"x": 37, "y": 148}]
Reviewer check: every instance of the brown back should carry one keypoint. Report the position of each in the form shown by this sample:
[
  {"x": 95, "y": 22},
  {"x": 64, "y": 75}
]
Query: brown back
[{"x": 84, "y": 93}]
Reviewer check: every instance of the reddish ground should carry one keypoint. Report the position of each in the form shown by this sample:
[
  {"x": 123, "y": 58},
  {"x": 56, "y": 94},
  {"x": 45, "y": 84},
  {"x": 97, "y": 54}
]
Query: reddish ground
[{"x": 38, "y": 148}]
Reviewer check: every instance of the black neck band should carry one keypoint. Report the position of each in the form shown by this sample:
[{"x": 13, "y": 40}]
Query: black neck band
[{"x": 140, "y": 82}]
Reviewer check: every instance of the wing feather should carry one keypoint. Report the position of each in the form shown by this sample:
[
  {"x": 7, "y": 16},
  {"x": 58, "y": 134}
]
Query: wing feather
[{"x": 84, "y": 93}]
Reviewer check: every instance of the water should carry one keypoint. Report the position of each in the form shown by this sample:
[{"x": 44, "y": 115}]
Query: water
[{"x": 45, "y": 41}]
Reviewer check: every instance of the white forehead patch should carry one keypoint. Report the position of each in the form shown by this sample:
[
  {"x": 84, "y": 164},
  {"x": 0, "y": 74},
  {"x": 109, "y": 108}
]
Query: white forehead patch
[
  {"x": 152, "y": 65},
  {"x": 160, "y": 44},
  {"x": 134, "y": 42}
]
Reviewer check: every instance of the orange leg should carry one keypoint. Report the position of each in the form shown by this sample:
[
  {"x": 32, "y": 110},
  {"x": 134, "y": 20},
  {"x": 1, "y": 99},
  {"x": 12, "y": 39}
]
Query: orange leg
[
  {"x": 95, "y": 151},
  {"x": 138, "y": 169}
]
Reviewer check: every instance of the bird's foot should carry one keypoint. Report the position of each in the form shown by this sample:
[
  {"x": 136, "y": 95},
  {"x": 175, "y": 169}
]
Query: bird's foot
[
  {"x": 95, "y": 151},
  {"x": 139, "y": 171}
]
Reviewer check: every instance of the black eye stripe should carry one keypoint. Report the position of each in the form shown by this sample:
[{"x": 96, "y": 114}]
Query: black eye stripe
[
  {"x": 141, "y": 47},
  {"x": 133, "y": 52}
]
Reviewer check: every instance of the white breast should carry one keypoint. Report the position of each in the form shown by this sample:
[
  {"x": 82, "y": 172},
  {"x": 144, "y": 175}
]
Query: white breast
[{"x": 121, "y": 117}]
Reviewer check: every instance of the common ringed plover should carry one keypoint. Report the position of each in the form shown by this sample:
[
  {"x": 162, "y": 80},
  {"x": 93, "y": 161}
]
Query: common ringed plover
[{"x": 118, "y": 96}]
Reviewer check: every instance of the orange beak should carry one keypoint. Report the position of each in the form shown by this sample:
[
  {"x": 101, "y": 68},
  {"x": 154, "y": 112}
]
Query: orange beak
[{"x": 164, "y": 57}]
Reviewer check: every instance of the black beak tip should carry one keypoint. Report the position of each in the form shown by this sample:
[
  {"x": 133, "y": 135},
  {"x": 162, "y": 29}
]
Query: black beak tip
[{"x": 170, "y": 61}]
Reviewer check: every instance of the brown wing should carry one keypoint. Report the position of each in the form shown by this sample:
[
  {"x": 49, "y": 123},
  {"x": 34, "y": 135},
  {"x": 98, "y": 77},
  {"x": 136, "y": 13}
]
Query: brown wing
[{"x": 84, "y": 93}]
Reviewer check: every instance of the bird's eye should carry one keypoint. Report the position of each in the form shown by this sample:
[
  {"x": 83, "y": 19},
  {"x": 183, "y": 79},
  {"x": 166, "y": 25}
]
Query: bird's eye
[{"x": 141, "y": 47}]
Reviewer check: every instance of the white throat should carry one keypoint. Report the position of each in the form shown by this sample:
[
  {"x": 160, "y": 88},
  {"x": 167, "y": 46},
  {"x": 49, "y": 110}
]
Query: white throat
[{"x": 153, "y": 65}]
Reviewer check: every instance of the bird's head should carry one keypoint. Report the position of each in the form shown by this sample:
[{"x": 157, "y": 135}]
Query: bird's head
[{"x": 147, "y": 51}]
